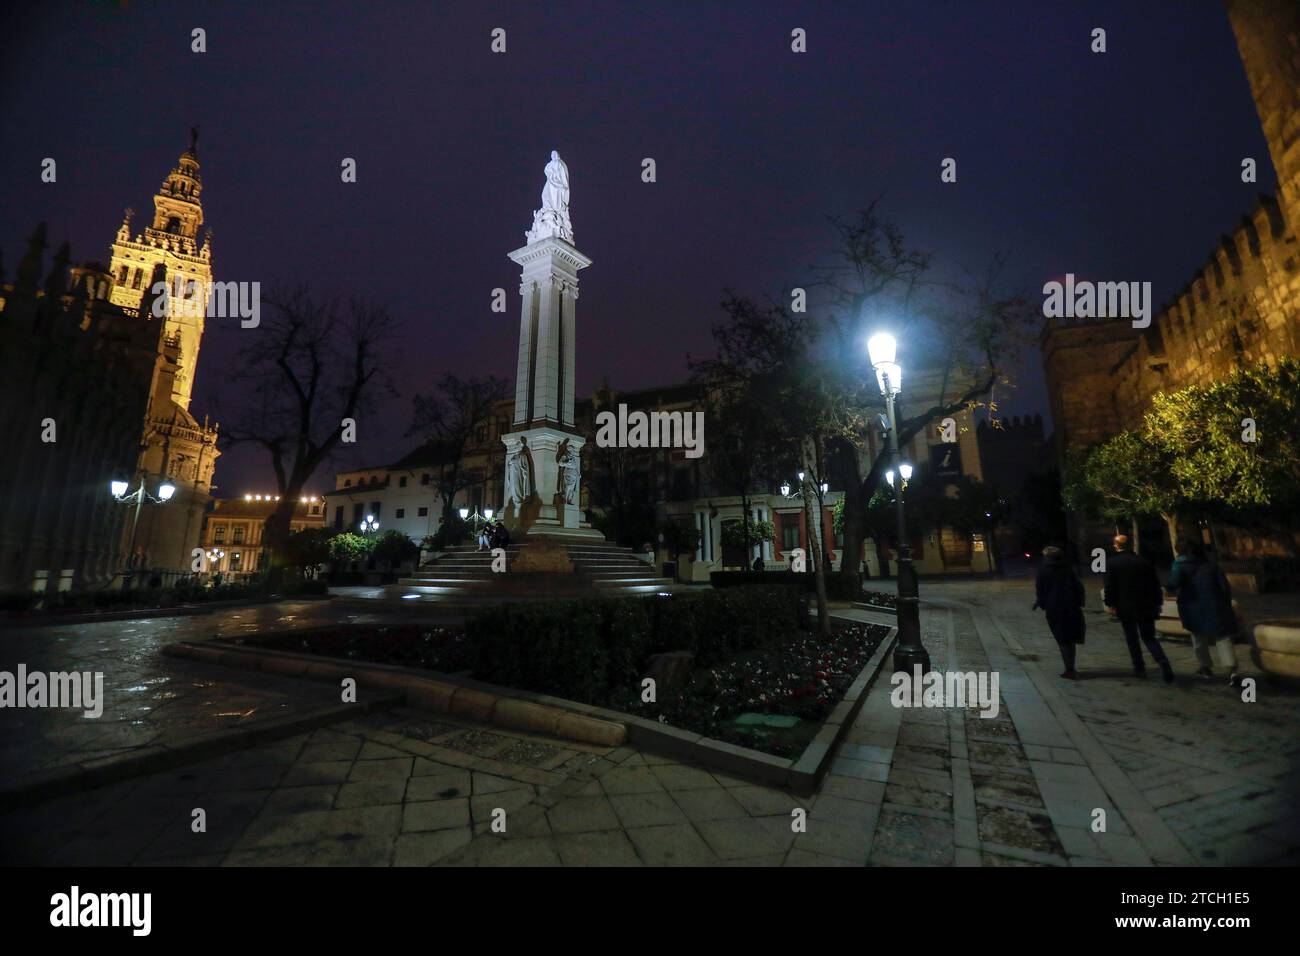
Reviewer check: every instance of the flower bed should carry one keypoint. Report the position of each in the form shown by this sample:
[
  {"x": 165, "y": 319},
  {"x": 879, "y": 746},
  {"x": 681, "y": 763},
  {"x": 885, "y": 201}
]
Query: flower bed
[
  {"x": 879, "y": 599},
  {"x": 802, "y": 679},
  {"x": 755, "y": 667}
]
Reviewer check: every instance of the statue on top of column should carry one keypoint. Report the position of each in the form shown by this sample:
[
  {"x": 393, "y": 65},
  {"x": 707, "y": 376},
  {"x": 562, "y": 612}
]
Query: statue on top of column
[{"x": 553, "y": 218}]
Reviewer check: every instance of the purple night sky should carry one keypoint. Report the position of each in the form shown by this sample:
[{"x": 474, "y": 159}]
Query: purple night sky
[{"x": 1123, "y": 166}]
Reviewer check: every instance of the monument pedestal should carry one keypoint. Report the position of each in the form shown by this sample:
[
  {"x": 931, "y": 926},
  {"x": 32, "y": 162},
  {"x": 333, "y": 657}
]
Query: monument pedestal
[
  {"x": 543, "y": 453},
  {"x": 546, "y": 505}
]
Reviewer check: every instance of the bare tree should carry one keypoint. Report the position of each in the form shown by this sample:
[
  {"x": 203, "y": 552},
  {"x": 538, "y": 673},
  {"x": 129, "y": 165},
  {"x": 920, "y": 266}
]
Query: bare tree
[
  {"x": 969, "y": 332},
  {"x": 307, "y": 373},
  {"x": 450, "y": 419}
]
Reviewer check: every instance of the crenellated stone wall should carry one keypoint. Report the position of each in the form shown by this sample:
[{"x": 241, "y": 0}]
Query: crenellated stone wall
[{"x": 1241, "y": 307}]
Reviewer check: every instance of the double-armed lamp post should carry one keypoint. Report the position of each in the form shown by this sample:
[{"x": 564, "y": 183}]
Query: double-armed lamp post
[
  {"x": 909, "y": 652},
  {"x": 138, "y": 497}
]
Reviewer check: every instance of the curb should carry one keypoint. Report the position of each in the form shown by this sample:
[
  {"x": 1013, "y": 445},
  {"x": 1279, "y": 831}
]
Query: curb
[
  {"x": 554, "y": 716},
  {"x": 98, "y": 773},
  {"x": 139, "y": 614},
  {"x": 443, "y": 694}
]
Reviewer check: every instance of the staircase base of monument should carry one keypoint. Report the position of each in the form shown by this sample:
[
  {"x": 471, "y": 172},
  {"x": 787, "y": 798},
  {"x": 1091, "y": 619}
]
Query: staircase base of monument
[{"x": 548, "y": 564}]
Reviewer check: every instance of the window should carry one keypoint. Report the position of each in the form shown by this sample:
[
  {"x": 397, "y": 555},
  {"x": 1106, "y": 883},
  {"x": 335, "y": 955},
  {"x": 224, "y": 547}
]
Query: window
[
  {"x": 239, "y": 534},
  {"x": 338, "y": 518},
  {"x": 315, "y": 510},
  {"x": 135, "y": 279},
  {"x": 121, "y": 275},
  {"x": 423, "y": 513},
  {"x": 235, "y": 561},
  {"x": 358, "y": 512},
  {"x": 218, "y": 534},
  {"x": 789, "y": 533},
  {"x": 374, "y": 508},
  {"x": 401, "y": 483},
  {"x": 401, "y": 512},
  {"x": 424, "y": 479}
]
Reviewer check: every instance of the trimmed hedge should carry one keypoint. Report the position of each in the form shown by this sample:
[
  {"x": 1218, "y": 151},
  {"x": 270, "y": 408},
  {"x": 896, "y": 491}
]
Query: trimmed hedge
[
  {"x": 840, "y": 585},
  {"x": 588, "y": 649}
]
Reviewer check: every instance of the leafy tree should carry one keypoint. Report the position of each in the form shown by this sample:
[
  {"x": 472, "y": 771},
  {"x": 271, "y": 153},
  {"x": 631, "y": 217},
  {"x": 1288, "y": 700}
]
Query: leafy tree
[
  {"x": 1131, "y": 475},
  {"x": 393, "y": 547},
  {"x": 1208, "y": 424},
  {"x": 348, "y": 547},
  {"x": 680, "y": 537},
  {"x": 747, "y": 535},
  {"x": 308, "y": 549}
]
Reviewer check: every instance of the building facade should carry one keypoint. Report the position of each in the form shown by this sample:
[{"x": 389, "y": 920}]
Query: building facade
[
  {"x": 670, "y": 485},
  {"x": 86, "y": 370},
  {"x": 233, "y": 530},
  {"x": 1241, "y": 307},
  {"x": 405, "y": 495}
]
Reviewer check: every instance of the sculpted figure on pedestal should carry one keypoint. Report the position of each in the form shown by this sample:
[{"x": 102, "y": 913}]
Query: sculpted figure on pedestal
[
  {"x": 570, "y": 473},
  {"x": 553, "y": 218}
]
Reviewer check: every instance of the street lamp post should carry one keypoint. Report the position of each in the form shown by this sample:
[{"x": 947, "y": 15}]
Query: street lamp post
[
  {"x": 138, "y": 497},
  {"x": 476, "y": 517},
  {"x": 910, "y": 652}
]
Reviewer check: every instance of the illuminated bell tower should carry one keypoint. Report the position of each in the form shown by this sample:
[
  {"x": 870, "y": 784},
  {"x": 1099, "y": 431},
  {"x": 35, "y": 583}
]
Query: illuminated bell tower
[{"x": 173, "y": 241}]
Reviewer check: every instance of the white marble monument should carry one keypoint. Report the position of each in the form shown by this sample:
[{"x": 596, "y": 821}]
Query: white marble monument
[{"x": 544, "y": 451}]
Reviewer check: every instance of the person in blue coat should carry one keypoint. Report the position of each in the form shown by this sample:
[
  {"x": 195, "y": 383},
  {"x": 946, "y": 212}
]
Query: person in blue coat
[
  {"x": 1205, "y": 607},
  {"x": 1059, "y": 592}
]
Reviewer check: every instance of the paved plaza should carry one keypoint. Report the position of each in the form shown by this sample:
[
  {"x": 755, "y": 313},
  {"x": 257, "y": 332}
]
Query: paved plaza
[{"x": 1184, "y": 774}]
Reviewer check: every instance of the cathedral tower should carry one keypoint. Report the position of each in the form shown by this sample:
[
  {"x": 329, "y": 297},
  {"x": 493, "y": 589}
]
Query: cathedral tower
[
  {"x": 173, "y": 241},
  {"x": 174, "y": 446}
]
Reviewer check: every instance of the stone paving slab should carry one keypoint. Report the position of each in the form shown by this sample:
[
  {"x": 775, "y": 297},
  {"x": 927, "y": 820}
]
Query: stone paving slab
[{"x": 1184, "y": 774}]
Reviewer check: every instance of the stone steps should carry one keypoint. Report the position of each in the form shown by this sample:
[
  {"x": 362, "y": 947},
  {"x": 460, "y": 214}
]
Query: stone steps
[{"x": 463, "y": 575}]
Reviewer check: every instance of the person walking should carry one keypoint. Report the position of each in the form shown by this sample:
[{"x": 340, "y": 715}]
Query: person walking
[
  {"x": 1134, "y": 595},
  {"x": 1205, "y": 607},
  {"x": 1059, "y": 592}
]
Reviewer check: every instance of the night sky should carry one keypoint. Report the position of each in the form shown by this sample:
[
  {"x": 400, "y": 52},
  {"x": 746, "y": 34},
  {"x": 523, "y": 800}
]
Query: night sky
[{"x": 1121, "y": 166}]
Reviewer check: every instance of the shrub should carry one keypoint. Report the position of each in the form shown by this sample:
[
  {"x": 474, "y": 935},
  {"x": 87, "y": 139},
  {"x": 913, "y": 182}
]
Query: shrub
[
  {"x": 679, "y": 537},
  {"x": 453, "y": 531},
  {"x": 346, "y": 547},
  {"x": 733, "y": 534},
  {"x": 392, "y": 548}
]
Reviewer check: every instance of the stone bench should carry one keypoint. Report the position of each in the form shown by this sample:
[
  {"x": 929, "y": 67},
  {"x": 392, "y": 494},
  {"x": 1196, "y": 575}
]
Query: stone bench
[{"x": 1279, "y": 647}]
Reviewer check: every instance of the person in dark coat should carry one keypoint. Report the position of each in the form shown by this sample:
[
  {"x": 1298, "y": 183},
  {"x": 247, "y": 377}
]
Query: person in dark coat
[
  {"x": 1205, "y": 607},
  {"x": 1059, "y": 592},
  {"x": 1134, "y": 595}
]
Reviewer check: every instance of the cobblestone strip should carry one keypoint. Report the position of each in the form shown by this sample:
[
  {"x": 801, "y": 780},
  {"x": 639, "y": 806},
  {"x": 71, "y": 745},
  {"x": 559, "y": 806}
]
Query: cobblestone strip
[{"x": 1075, "y": 775}]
